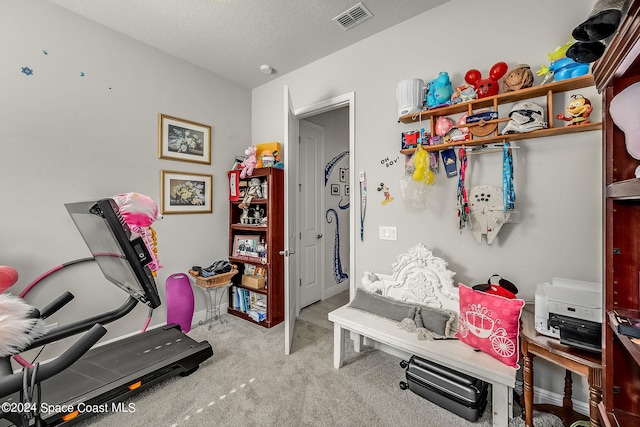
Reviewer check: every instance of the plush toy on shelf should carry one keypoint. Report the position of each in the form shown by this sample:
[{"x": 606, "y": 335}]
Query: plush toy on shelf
[
  {"x": 519, "y": 77},
  {"x": 487, "y": 86},
  {"x": 578, "y": 109},
  {"x": 439, "y": 91},
  {"x": 249, "y": 163}
]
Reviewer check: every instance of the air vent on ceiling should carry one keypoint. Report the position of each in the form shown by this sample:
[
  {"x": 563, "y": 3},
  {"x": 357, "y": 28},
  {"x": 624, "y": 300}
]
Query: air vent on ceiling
[{"x": 352, "y": 17}]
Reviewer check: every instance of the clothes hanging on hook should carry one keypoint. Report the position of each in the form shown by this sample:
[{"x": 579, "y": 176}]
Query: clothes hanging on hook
[
  {"x": 508, "y": 191},
  {"x": 463, "y": 202}
]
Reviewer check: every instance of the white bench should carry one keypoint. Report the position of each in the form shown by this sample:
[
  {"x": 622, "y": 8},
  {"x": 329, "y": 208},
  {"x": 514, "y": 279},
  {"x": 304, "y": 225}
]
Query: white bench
[{"x": 421, "y": 277}]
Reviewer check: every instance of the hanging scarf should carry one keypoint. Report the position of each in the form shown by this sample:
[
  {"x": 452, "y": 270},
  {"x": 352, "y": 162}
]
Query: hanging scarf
[{"x": 508, "y": 191}]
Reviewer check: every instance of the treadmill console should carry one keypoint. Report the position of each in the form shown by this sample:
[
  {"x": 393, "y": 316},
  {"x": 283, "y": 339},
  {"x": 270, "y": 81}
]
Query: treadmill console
[{"x": 121, "y": 254}]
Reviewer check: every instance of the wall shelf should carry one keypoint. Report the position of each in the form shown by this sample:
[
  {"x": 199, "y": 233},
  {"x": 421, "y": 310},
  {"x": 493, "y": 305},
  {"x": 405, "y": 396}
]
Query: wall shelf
[{"x": 547, "y": 90}]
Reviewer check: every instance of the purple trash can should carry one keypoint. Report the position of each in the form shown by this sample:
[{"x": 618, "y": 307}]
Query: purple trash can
[{"x": 180, "y": 301}]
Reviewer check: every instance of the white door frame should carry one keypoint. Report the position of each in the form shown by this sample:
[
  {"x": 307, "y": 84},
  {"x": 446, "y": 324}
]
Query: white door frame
[{"x": 346, "y": 100}]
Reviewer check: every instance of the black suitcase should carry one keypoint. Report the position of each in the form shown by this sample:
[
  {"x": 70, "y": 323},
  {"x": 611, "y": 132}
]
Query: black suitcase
[{"x": 459, "y": 393}]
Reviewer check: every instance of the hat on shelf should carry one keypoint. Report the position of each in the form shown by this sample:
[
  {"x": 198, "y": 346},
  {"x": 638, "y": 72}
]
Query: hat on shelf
[{"x": 594, "y": 34}]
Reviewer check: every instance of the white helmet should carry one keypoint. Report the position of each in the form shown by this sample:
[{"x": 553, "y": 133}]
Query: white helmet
[{"x": 525, "y": 117}]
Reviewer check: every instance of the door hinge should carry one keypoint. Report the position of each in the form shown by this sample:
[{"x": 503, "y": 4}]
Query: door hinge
[
  {"x": 301, "y": 235},
  {"x": 300, "y": 188},
  {"x": 300, "y": 282}
]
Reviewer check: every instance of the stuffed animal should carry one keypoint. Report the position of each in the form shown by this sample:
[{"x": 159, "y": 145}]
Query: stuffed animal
[
  {"x": 439, "y": 91},
  {"x": 17, "y": 329},
  {"x": 487, "y": 86},
  {"x": 520, "y": 77},
  {"x": 249, "y": 163}
]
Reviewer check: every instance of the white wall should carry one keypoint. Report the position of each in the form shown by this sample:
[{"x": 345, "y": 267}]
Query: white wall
[
  {"x": 557, "y": 179},
  {"x": 67, "y": 138}
]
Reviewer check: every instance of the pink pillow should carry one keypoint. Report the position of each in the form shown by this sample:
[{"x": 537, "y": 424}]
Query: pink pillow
[{"x": 490, "y": 323}]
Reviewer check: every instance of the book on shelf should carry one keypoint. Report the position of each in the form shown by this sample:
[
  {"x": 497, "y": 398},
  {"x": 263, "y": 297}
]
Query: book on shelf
[
  {"x": 257, "y": 315},
  {"x": 246, "y": 301},
  {"x": 629, "y": 326}
]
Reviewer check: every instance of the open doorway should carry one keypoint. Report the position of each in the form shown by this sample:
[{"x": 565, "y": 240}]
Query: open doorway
[
  {"x": 292, "y": 280},
  {"x": 324, "y": 209}
]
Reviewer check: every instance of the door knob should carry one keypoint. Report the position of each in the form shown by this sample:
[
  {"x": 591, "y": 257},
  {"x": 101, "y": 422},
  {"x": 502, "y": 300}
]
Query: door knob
[
  {"x": 287, "y": 252},
  {"x": 319, "y": 236}
]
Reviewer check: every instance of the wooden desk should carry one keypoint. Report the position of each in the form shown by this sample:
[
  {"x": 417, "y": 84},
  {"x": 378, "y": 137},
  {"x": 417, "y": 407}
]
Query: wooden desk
[{"x": 581, "y": 362}]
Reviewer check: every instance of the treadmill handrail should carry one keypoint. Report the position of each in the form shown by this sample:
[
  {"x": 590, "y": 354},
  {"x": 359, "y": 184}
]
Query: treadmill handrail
[
  {"x": 10, "y": 384},
  {"x": 70, "y": 329}
]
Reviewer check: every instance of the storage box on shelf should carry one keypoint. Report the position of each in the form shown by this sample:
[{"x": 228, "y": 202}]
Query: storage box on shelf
[
  {"x": 492, "y": 102},
  {"x": 618, "y": 68},
  {"x": 255, "y": 241}
]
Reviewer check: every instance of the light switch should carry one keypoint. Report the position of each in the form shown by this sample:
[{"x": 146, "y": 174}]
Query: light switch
[{"x": 388, "y": 233}]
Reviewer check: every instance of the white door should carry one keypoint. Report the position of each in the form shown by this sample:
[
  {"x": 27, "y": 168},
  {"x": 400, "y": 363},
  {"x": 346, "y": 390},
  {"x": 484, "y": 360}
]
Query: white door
[
  {"x": 290, "y": 226},
  {"x": 311, "y": 249}
]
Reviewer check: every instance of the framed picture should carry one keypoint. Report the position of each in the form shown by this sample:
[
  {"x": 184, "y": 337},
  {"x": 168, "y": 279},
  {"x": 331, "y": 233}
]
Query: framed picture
[
  {"x": 249, "y": 268},
  {"x": 185, "y": 192},
  {"x": 335, "y": 190},
  {"x": 346, "y": 190},
  {"x": 180, "y": 139},
  {"x": 343, "y": 174},
  {"x": 245, "y": 245}
]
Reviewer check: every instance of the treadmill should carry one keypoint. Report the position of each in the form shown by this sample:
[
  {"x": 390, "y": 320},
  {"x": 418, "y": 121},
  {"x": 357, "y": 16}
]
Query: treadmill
[{"x": 81, "y": 382}]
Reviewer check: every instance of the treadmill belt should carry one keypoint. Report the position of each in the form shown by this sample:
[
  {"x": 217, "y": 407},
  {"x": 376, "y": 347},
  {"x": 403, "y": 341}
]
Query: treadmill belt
[{"x": 105, "y": 372}]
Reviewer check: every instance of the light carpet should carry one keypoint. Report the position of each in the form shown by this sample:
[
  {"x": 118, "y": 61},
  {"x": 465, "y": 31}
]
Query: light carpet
[{"x": 250, "y": 382}]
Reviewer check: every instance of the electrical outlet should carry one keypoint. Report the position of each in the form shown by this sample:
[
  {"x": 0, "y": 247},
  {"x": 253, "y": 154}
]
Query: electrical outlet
[{"x": 388, "y": 233}]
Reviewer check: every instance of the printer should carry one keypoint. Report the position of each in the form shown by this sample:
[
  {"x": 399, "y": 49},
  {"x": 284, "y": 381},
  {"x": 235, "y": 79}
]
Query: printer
[{"x": 570, "y": 310}]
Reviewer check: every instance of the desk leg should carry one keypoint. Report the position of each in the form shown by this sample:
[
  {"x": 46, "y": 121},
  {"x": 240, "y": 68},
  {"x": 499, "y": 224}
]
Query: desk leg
[
  {"x": 338, "y": 345},
  {"x": 567, "y": 403},
  {"x": 501, "y": 404},
  {"x": 528, "y": 389},
  {"x": 595, "y": 390}
]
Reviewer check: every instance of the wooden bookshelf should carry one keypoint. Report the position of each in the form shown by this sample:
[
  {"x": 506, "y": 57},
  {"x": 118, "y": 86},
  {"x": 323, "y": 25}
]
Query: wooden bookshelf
[{"x": 272, "y": 233}]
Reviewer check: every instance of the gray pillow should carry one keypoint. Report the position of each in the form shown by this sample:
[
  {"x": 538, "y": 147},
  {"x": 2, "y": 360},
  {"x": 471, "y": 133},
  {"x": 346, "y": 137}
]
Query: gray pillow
[
  {"x": 381, "y": 306},
  {"x": 437, "y": 320}
]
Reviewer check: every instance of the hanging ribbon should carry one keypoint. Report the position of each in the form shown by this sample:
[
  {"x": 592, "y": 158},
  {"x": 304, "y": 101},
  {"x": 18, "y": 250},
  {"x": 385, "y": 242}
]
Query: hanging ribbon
[
  {"x": 463, "y": 202},
  {"x": 508, "y": 191}
]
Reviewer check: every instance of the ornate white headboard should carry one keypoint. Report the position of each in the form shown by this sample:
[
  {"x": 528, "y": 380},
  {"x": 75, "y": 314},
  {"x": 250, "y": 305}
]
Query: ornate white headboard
[{"x": 418, "y": 276}]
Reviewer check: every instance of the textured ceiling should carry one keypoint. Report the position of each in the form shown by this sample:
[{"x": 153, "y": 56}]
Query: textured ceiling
[{"x": 232, "y": 38}]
